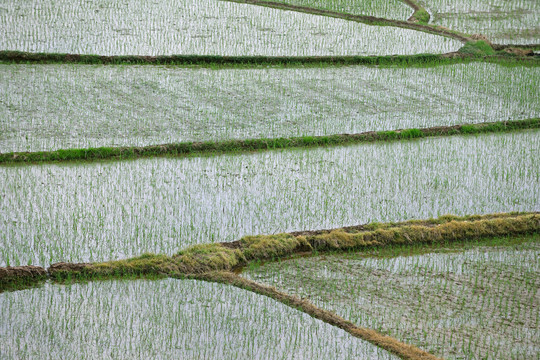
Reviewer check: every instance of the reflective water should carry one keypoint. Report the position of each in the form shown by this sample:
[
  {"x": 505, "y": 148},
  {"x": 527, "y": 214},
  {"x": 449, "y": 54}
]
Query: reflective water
[
  {"x": 201, "y": 27},
  {"x": 165, "y": 319},
  {"x": 44, "y": 107}
]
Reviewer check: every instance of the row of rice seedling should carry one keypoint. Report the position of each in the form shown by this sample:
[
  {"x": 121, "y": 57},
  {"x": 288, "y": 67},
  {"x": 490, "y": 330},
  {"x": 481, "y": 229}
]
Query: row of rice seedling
[
  {"x": 506, "y": 22},
  {"x": 392, "y": 9},
  {"x": 201, "y": 27},
  {"x": 114, "y": 210},
  {"x": 165, "y": 319},
  {"x": 478, "y": 304},
  {"x": 49, "y": 107}
]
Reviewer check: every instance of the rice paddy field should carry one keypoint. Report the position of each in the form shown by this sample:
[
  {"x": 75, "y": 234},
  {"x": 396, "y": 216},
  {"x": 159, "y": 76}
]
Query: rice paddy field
[
  {"x": 225, "y": 254},
  {"x": 165, "y": 319},
  {"x": 101, "y": 211},
  {"x": 504, "y": 22},
  {"x": 458, "y": 303},
  {"x": 202, "y": 27},
  {"x": 392, "y": 9},
  {"x": 48, "y": 107}
]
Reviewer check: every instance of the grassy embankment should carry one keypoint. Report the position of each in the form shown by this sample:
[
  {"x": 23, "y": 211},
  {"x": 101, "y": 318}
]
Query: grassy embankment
[
  {"x": 494, "y": 54},
  {"x": 201, "y": 148},
  {"x": 18, "y": 57},
  {"x": 204, "y": 258}
]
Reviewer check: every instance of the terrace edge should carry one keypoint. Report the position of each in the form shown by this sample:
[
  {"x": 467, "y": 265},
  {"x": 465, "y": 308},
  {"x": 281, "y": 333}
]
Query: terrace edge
[{"x": 249, "y": 145}]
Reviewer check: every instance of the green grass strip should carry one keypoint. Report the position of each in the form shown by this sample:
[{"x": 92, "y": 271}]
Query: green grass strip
[
  {"x": 215, "y": 61},
  {"x": 420, "y": 14},
  {"x": 234, "y": 146},
  {"x": 18, "y": 57}
]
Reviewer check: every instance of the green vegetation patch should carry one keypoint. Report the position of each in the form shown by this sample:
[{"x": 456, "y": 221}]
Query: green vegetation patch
[
  {"x": 421, "y": 16},
  {"x": 477, "y": 48}
]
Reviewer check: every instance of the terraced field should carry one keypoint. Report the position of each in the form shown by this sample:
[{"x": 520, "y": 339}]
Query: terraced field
[
  {"x": 202, "y": 27},
  {"x": 166, "y": 319},
  {"x": 479, "y": 301},
  {"x": 393, "y": 9},
  {"x": 217, "y": 105},
  {"x": 253, "y": 179},
  {"x": 110, "y": 210}
]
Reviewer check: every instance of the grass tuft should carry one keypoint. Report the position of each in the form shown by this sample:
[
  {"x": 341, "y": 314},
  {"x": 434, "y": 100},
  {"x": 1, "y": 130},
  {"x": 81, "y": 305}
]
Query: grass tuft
[{"x": 477, "y": 48}]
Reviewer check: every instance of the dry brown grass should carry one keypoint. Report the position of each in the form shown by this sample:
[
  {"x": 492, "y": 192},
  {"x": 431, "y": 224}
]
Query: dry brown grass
[{"x": 205, "y": 258}]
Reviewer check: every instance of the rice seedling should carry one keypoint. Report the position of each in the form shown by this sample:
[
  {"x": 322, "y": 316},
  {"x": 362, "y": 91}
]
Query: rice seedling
[
  {"x": 49, "y": 107},
  {"x": 506, "y": 22},
  {"x": 201, "y": 27},
  {"x": 455, "y": 303},
  {"x": 165, "y": 319},
  {"x": 115, "y": 210}
]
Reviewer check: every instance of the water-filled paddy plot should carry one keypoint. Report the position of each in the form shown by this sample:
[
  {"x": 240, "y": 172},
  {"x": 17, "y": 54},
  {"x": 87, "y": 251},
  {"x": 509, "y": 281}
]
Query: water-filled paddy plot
[
  {"x": 198, "y": 27},
  {"x": 165, "y": 319},
  {"x": 388, "y": 9},
  {"x": 473, "y": 304},
  {"x": 49, "y": 107},
  {"x": 503, "y": 22},
  {"x": 110, "y": 210}
]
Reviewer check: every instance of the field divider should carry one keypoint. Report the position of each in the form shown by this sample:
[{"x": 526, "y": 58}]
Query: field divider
[
  {"x": 248, "y": 145},
  {"x": 505, "y": 54},
  {"x": 230, "y": 256},
  {"x": 416, "y": 23},
  {"x": 388, "y": 343},
  {"x": 19, "y": 57}
]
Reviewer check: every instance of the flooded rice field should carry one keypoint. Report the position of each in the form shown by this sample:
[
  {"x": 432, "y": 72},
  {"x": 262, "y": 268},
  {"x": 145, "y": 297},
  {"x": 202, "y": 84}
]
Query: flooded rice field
[
  {"x": 49, "y": 107},
  {"x": 165, "y": 319},
  {"x": 388, "y": 9},
  {"x": 112, "y": 210},
  {"x": 482, "y": 303},
  {"x": 201, "y": 27},
  {"x": 503, "y": 22}
]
